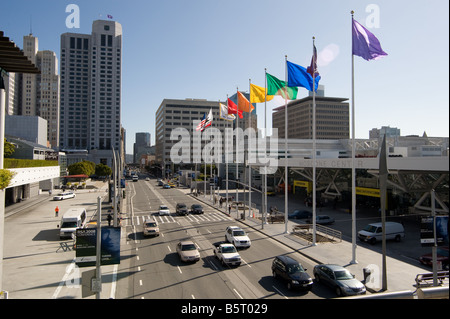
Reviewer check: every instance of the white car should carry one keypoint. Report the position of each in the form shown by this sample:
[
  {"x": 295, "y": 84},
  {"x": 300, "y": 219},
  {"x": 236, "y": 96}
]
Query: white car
[
  {"x": 64, "y": 195},
  {"x": 164, "y": 210},
  {"x": 237, "y": 237}
]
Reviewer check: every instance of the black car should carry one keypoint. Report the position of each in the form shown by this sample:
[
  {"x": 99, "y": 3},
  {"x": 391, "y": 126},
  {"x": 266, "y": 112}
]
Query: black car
[
  {"x": 181, "y": 209},
  {"x": 292, "y": 272},
  {"x": 196, "y": 209},
  {"x": 300, "y": 214}
]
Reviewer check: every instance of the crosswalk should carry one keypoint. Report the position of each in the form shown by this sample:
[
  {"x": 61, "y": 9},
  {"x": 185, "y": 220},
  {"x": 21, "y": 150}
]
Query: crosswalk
[{"x": 206, "y": 217}]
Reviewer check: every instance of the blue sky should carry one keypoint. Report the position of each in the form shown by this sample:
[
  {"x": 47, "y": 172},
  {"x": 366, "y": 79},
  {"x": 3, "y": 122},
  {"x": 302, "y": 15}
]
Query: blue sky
[{"x": 206, "y": 49}]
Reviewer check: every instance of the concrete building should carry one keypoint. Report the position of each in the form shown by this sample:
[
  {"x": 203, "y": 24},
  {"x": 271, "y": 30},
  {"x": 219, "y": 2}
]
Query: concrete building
[
  {"x": 185, "y": 114},
  {"x": 91, "y": 68},
  {"x": 36, "y": 94},
  {"x": 30, "y": 128},
  {"x": 332, "y": 118}
]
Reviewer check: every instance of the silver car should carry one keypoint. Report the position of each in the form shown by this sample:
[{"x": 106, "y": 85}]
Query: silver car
[
  {"x": 188, "y": 251},
  {"x": 338, "y": 278}
]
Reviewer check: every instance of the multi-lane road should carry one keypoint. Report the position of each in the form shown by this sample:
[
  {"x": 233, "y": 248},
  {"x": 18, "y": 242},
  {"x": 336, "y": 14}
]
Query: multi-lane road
[{"x": 156, "y": 271}]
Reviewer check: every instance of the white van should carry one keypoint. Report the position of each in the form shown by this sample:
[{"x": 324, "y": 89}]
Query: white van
[
  {"x": 373, "y": 232},
  {"x": 71, "y": 220}
]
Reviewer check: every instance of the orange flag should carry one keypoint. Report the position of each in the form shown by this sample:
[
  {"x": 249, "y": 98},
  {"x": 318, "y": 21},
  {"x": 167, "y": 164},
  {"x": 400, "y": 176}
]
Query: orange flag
[{"x": 243, "y": 103}]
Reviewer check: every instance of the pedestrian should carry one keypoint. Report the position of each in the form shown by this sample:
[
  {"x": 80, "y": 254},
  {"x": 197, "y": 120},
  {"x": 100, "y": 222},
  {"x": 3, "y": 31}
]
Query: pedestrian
[
  {"x": 56, "y": 211},
  {"x": 229, "y": 209},
  {"x": 109, "y": 218}
]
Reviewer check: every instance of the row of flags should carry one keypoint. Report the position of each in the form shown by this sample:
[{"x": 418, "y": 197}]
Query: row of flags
[{"x": 364, "y": 44}]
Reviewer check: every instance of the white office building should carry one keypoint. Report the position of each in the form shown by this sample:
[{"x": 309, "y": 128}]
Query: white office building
[{"x": 91, "y": 67}]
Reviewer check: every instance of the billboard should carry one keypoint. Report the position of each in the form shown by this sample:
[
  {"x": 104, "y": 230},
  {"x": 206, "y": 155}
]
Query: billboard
[
  {"x": 428, "y": 236},
  {"x": 86, "y": 246}
]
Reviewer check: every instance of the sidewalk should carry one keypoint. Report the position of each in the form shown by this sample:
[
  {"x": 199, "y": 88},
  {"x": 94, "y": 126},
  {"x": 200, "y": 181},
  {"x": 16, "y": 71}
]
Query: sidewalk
[
  {"x": 400, "y": 275},
  {"x": 39, "y": 268}
]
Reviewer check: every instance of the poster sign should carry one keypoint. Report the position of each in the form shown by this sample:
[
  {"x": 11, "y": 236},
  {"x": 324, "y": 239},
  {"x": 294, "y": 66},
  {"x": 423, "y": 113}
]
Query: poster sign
[
  {"x": 428, "y": 237},
  {"x": 86, "y": 246}
]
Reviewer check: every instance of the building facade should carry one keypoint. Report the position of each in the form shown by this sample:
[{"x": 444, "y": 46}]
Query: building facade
[
  {"x": 37, "y": 94},
  {"x": 91, "y": 67},
  {"x": 332, "y": 118},
  {"x": 185, "y": 114}
]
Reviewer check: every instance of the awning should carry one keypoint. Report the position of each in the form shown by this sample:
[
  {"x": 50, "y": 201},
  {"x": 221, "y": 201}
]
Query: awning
[{"x": 12, "y": 59}]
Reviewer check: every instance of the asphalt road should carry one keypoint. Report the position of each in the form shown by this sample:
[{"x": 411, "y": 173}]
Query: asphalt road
[{"x": 155, "y": 270}]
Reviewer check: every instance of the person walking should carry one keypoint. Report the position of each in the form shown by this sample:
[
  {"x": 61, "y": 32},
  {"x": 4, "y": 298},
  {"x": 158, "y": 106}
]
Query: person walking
[
  {"x": 109, "y": 218},
  {"x": 56, "y": 211}
]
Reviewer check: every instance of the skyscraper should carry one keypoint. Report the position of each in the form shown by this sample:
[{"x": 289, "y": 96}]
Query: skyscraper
[{"x": 91, "y": 67}]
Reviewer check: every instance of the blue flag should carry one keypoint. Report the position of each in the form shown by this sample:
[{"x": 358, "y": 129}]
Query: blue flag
[
  {"x": 299, "y": 76},
  {"x": 365, "y": 44}
]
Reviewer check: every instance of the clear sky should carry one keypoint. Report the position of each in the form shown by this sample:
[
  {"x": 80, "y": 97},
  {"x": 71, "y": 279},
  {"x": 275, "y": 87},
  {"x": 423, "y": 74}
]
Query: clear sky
[{"x": 206, "y": 49}]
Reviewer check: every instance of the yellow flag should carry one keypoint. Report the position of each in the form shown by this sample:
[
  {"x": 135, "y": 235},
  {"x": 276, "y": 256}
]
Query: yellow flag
[{"x": 257, "y": 94}]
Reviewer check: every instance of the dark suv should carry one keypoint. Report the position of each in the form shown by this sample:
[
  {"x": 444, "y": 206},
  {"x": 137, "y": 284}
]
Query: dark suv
[
  {"x": 196, "y": 209},
  {"x": 292, "y": 272},
  {"x": 181, "y": 209}
]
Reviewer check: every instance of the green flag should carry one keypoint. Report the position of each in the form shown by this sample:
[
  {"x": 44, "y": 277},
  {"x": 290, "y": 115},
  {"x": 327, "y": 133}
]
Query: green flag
[{"x": 278, "y": 87}]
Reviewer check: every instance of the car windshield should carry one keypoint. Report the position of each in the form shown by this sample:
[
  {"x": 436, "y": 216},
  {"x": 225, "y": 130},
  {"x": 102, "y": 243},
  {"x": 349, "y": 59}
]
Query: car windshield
[
  {"x": 239, "y": 233},
  {"x": 294, "y": 268},
  {"x": 69, "y": 225},
  {"x": 181, "y": 206},
  {"x": 151, "y": 224},
  {"x": 196, "y": 206},
  {"x": 370, "y": 228},
  {"x": 188, "y": 247},
  {"x": 163, "y": 207},
  {"x": 343, "y": 274},
  {"x": 228, "y": 249}
]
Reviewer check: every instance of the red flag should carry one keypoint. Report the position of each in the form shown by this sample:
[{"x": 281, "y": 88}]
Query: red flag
[{"x": 232, "y": 109}]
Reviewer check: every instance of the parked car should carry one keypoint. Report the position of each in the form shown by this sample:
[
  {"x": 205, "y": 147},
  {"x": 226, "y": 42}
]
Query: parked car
[
  {"x": 181, "y": 209},
  {"x": 237, "y": 236},
  {"x": 300, "y": 214},
  {"x": 292, "y": 272},
  {"x": 196, "y": 209},
  {"x": 322, "y": 220},
  {"x": 160, "y": 183},
  {"x": 64, "y": 195},
  {"x": 188, "y": 251},
  {"x": 166, "y": 186},
  {"x": 339, "y": 279},
  {"x": 442, "y": 257},
  {"x": 164, "y": 210}
]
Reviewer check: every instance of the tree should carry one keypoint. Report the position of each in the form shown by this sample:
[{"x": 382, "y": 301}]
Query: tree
[
  {"x": 102, "y": 170},
  {"x": 84, "y": 167},
  {"x": 9, "y": 149}
]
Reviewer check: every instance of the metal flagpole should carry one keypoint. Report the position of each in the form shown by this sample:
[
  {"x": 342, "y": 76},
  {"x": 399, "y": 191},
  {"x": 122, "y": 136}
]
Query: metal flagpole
[
  {"x": 285, "y": 155},
  {"x": 383, "y": 173},
  {"x": 314, "y": 146},
  {"x": 237, "y": 145},
  {"x": 263, "y": 216},
  {"x": 248, "y": 151},
  {"x": 226, "y": 167},
  {"x": 353, "y": 261}
]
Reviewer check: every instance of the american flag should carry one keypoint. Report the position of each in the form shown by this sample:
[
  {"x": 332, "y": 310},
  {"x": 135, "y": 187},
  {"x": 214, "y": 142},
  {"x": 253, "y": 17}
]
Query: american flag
[
  {"x": 205, "y": 122},
  {"x": 109, "y": 16},
  {"x": 201, "y": 125}
]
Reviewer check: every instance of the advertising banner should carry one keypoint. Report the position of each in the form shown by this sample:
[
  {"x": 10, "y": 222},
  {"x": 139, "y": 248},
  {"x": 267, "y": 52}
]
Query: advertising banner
[{"x": 86, "y": 246}]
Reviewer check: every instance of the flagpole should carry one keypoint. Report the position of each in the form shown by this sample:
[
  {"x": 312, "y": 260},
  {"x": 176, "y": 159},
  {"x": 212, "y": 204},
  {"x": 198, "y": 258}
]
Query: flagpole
[
  {"x": 314, "y": 146},
  {"x": 248, "y": 151},
  {"x": 285, "y": 155},
  {"x": 226, "y": 168},
  {"x": 353, "y": 261},
  {"x": 264, "y": 197},
  {"x": 237, "y": 145}
]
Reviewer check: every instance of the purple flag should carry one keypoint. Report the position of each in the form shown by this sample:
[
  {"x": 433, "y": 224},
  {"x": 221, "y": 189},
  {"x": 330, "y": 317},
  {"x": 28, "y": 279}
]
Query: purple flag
[
  {"x": 312, "y": 69},
  {"x": 365, "y": 44}
]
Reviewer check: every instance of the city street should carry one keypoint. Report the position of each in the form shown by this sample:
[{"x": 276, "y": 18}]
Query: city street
[{"x": 157, "y": 272}]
